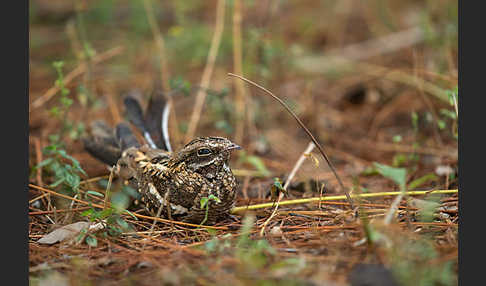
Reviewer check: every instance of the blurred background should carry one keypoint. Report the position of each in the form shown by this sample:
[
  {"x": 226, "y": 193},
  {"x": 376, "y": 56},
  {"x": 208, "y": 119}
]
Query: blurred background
[
  {"x": 374, "y": 81},
  {"x": 353, "y": 71}
]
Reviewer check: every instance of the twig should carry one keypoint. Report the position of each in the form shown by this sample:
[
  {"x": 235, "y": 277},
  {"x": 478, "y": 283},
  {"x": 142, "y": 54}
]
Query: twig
[
  {"x": 299, "y": 162},
  {"x": 208, "y": 71},
  {"x": 393, "y": 208},
  {"x": 108, "y": 188},
  {"x": 59, "y": 211},
  {"x": 334, "y": 198},
  {"x": 94, "y": 179},
  {"x": 331, "y": 166},
  {"x": 455, "y": 104},
  {"x": 79, "y": 70}
]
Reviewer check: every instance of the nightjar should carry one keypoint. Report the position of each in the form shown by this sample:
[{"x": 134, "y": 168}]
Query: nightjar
[{"x": 173, "y": 183}]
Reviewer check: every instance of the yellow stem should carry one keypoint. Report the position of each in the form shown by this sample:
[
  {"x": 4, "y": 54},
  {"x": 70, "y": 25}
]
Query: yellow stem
[{"x": 334, "y": 198}]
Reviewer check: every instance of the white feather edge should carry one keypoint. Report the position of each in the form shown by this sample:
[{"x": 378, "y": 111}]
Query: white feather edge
[{"x": 165, "y": 125}]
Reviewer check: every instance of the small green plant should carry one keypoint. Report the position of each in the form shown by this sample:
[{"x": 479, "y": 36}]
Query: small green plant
[
  {"x": 450, "y": 115},
  {"x": 277, "y": 188},
  {"x": 61, "y": 111},
  {"x": 410, "y": 257},
  {"x": 205, "y": 204},
  {"x": 65, "y": 168},
  {"x": 109, "y": 216}
]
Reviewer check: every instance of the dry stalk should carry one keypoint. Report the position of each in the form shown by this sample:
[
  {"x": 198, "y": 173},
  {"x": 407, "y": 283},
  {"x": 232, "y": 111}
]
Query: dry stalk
[
  {"x": 108, "y": 188},
  {"x": 334, "y": 198},
  {"x": 208, "y": 71},
  {"x": 331, "y": 166}
]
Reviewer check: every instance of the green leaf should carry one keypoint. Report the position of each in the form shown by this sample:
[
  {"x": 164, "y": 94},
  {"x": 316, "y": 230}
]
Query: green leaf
[
  {"x": 399, "y": 160},
  {"x": 415, "y": 120},
  {"x": 277, "y": 188},
  {"x": 131, "y": 214},
  {"x": 214, "y": 198},
  {"x": 211, "y": 231},
  {"x": 422, "y": 180},
  {"x": 57, "y": 183},
  {"x": 106, "y": 213},
  {"x": 120, "y": 201},
  {"x": 441, "y": 123},
  {"x": 398, "y": 175},
  {"x": 91, "y": 241},
  {"x": 58, "y": 64},
  {"x": 397, "y": 138},
  {"x": 87, "y": 212},
  {"x": 44, "y": 163},
  {"x": 95, "y": 193},
  {"x": 123, "y": 224},
  {"x": 448, "y": 113},
  {"x": 204, "y": 201}
]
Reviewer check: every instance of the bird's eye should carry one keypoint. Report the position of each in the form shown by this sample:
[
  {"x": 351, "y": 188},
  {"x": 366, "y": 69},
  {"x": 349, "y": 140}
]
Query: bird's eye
[{"x": 203, "y": 152}]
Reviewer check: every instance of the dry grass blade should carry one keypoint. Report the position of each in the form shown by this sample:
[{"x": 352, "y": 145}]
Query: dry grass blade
[{"x": 331, "y": 166}]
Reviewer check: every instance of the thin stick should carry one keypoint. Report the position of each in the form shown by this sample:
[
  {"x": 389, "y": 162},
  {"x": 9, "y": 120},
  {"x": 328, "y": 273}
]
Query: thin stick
[
  {"x": 335, "y": 198},
  {"x": 59, "y": 211},
  {"x": 208, "y": 71},
  {"x": 73, "y": 74},
  {"x": 393, "y": 208},
  {"x": 331, "y": 166},
  {"x": 299, "y": 163},
  {"x": 108, "y": 188}
]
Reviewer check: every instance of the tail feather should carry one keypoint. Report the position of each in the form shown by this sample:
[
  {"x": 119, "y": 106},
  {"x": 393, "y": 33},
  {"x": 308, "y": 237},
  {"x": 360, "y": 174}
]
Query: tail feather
[
  {"x": 154, "y": 122},
  {"x": 125, "y": 136},
  {"x": 107, "y": 144},
  {"x": 99, "y": 149},
  {"x": 156, "y": 119}
]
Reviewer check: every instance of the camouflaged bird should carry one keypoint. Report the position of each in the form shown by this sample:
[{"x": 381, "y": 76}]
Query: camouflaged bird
[{"x": 173, "y": 183}]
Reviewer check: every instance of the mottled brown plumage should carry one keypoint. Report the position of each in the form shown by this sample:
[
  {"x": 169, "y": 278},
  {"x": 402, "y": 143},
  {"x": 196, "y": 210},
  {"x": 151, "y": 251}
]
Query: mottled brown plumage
[
  {"x": 178, "y": 181},
  {"x": 174, "y": 182}
]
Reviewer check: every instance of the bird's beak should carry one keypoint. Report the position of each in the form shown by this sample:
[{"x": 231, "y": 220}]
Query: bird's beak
[{"x": 234, "y": 146}]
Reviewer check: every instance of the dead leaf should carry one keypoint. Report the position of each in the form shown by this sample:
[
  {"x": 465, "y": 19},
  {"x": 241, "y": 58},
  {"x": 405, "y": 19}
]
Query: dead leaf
[{"x": 64, "y": 233}]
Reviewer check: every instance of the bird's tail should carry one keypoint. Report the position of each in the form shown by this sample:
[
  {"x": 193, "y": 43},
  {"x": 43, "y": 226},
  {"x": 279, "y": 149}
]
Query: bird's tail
[{"x": 107, "y": 144}]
